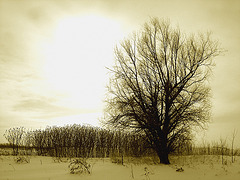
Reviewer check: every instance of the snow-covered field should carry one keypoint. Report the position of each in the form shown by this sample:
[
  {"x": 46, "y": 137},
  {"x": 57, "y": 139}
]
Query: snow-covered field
[{"x": 194, "y": 168}]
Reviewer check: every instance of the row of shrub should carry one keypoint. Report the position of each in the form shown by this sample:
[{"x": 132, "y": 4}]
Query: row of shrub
[
  {"x": 78, "y": 141},
  {"x": 88, "y": 141}
]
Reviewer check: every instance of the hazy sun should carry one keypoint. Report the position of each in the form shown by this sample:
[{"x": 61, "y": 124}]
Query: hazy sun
[{"x": 76, "y": 57}]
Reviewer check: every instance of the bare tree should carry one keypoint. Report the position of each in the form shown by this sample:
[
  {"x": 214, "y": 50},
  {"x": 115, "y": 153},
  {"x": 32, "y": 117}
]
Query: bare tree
[
  {"x": 223, "y": 148},
  {"x": 158, "y": 85},
  {"x": 15, "y": 136},
  {"x": 233, "y": 139}
]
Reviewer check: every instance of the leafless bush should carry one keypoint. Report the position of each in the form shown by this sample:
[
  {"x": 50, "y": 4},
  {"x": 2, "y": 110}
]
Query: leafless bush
[
  {"x": 117, "y": 160},
  {"x": 79, "y": 166},
  {"x": 22, "y": 159},
  {"x": 15, "y": 138}
]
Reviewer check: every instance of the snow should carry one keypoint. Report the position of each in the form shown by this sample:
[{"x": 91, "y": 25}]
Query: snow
[{"x": 194, "y": 167}]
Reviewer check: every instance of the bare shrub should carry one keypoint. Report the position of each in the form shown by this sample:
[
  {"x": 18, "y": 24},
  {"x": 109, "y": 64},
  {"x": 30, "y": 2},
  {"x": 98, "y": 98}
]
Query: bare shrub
[
  {"x": 79, "y": 166},
  {"x": 22, "y": 159},
  {"x": 5, "y": 152},
  {"x": 117, "y": 160},
  {"x": 15, "y": 137}
]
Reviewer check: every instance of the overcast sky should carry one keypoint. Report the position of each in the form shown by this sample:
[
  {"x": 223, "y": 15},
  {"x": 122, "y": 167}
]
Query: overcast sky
[{"x": 53, "y": 56}]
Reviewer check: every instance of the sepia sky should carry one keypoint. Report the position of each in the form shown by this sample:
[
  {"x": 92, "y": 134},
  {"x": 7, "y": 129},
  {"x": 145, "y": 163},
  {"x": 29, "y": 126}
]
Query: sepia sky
[{"x": 53, "y": 55}]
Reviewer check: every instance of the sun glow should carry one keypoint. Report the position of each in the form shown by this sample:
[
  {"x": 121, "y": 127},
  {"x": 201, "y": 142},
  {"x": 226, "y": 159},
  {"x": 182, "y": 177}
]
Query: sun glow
[{"x": 76, "y": 57}]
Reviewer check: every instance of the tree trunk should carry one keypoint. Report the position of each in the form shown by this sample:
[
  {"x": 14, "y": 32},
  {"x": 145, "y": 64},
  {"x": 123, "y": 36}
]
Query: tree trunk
[
  {"x": 163, "y": 156},
  {"x": 159, "y": 146},
  {"x": 162, "y": 151}
]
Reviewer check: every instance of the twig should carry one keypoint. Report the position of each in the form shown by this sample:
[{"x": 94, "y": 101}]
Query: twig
[{"x": 13, "y": 167}]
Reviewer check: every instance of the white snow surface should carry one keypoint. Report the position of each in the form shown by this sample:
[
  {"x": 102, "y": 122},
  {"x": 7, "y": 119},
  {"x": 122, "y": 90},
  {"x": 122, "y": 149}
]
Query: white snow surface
[{"x": 195, "y": 167}]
